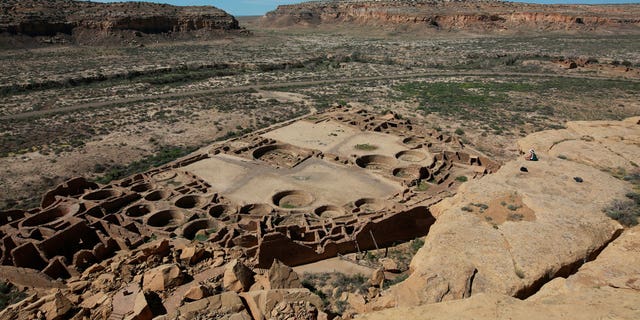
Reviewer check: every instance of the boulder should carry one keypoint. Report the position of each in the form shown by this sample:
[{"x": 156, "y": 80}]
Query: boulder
[
  {"x": 94, "y": 300},
  {"x": 96, "y": 267},
  {"x": 191, "y": 255},
  {"x": 281, "y": 276},
  {"x": 159, "y": 248},
  {"x": 237, "y": 277},
  {"x": 162, "y": 277},
  {"x": 262, "y": 303},
  {"x": 104, "y": 281},
  {"x": 389, "y": 265},
  {"x": 78, "y": 286},
  {"x": 377, "y": 278},
  {"x": 141, "y": 309},
  {"x": 357, "y": 302},
  {"x": 197, "y": 292},
  {"x": 56, "y": 307},
  {"x": 224, "y": 303}
]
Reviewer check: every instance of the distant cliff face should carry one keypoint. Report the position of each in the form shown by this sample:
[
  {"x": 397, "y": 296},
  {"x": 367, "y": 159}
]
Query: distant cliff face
[
  {"x": 457, "y": 15},
  {"x": 50, "y": 17}
]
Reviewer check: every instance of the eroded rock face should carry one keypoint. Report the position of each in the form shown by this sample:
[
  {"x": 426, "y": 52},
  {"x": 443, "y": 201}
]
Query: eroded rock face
[
  {"x": 455, "y": 15},
  {"x": 467, "y": 252},
  {"x": 50, "y": 307},
  {"x": 297, "y": 303},
  {"x": 141, "y": 309},
  {"x": 281, "y": 276},
  {"x": 47, "y": 18},
  {"x": 604, "y": 288},
  {"x": 162, "y": 277},
  {"x": 222, "y": 304},
  {"x": 237, "y": 277},
  {"x": 196, "y": 293}
]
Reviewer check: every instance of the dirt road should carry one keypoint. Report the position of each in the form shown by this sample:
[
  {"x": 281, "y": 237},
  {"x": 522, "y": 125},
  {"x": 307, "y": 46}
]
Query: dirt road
[{"x": 265, "y": 86}]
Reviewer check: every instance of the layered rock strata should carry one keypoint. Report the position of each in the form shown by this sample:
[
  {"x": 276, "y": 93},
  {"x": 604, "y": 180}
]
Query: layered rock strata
[{"x": 457, "y": 15}]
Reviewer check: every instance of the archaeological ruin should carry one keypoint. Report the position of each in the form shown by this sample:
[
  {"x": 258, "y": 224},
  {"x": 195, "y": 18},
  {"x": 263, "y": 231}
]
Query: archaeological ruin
[{"x": 331, "y": 183}]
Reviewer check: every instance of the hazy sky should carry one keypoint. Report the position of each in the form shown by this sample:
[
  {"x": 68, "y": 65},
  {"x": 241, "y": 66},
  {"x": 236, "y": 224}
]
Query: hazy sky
[{"x": 260, "y": 7}]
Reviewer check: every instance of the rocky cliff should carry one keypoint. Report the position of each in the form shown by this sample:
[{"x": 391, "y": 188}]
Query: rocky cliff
[
  {"x": 51, "y": 17},
  {"x": 457, "y": 15}
]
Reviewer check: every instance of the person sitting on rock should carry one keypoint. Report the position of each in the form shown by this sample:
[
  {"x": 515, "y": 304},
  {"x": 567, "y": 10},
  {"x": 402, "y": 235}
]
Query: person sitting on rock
[{"x": 531, "y": 156}]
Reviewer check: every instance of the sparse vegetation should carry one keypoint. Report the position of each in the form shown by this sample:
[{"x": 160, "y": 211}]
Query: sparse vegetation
[
  {"x": 423, "y": 186},
  {"x": 288, "y": 205},
  {"x": 513, "y": 207},
  {"x": 9, "y": 294},
  {"x": 395, "y": 280},
  {"x": 461, "y": 179},
  {"x": 165, "y": 155},
  {"x": 626, "y": 212},
  {"x": 365, "y": 147}
]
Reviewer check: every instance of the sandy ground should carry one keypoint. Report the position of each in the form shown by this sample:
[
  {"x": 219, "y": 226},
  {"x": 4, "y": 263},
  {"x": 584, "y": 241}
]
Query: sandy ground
[
  {"x": 256, "y": 182},
  {"x": 334, "y": 265},
  {"x": 323, "y": 136}
]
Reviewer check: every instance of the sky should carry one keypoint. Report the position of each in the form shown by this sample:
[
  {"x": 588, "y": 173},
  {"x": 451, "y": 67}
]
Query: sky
[{"x": 260, "y": 7}]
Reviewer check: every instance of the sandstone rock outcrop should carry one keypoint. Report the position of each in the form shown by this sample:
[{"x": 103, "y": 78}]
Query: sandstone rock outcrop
[
  {"x": 456, "y": 15},
  {"x": 141, "y": 309},
  {"x": 197, "y": 292},
  {"x": 48, "y": 18},
  {"x": 237, "y": 277},
  {"x": 162, "y": 277},
  {"x": 604, "y": 288},
  {"x": 226, "y": 303},
  {"x": 281, "y": 276},
  {"x": 54, "y": 306},
  {"x": 263, "y": 303}
]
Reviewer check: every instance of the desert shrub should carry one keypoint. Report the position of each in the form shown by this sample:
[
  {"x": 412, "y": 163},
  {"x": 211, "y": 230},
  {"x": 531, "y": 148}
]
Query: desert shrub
[
  {"x": 165, "y": 155},
  {"x": 9, "y": 294},
  {"x": 462, "y": 179},
  {"x": 625, "y": 211},
  {"x": 422, "y": 186},
  {"x": 365, "y": 147},
  {"x": 513, "y": 207},
  {"x": 416, "y": 244},
  {"x": 395, "y": 280}
]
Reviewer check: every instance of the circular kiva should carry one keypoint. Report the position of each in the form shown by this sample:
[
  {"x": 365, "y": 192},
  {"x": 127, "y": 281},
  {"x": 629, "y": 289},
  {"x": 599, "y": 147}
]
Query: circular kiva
[
  {"x": 292, "y": 199},
  {"x": 412, "y": 140},
  {"x": 157, "y": 195},
  {"x": 329, "y": 211},
  {"x": 191, "y": 201},
  {"x": 166, "y": 218},
  {"x": 370, "y": 204},
  {"x": 220, "y": 210},
  {"x": 50, "y": 215},
  {"x": 138, "y": 210},
  {"x": 282, "y": 150},
  {"x": 191, "y": 229},
  {"x": 411, "y": 156},
  {"x": 165, "y": 175},
  {"x": 257, "y": 209},
  {"x": 412, "y": 172},
  {"x": 376, "y": 162},
  {"x": 101, "y": 194},
  {"x": 142, "y": 187}
]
